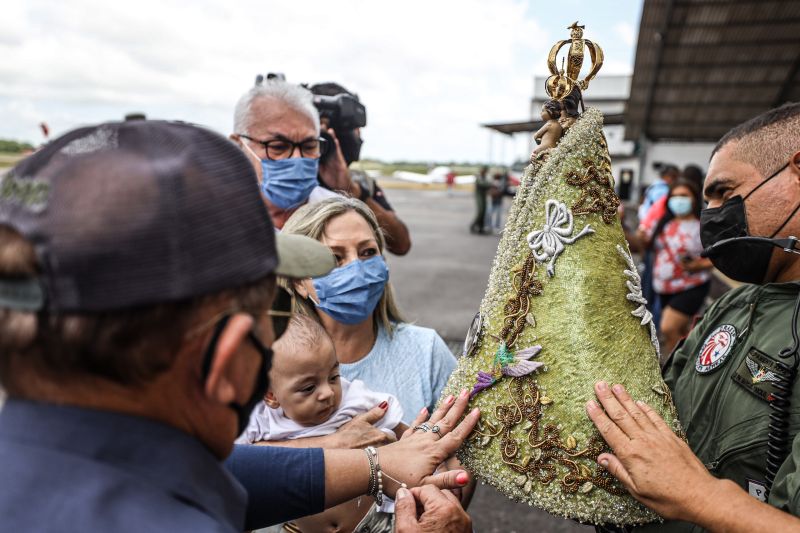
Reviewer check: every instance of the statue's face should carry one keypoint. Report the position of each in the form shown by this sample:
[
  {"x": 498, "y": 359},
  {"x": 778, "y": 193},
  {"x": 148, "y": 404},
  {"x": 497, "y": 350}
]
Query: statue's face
[{"x": 576, "y": 33}]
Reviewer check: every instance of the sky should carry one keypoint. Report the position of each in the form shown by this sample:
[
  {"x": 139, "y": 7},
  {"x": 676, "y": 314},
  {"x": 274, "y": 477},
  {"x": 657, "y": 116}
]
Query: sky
[{"x": 429, "y": 72}]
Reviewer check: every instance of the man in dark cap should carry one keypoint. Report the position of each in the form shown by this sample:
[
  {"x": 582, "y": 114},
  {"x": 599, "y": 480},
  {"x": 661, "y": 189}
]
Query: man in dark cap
[{"x": 137, "y": 268}]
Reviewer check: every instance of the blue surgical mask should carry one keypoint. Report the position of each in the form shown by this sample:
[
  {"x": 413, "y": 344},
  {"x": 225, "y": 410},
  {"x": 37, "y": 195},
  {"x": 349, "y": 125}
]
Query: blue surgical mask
[
  {"x": 349, "y": 294},
  {"x": 287, "y": 183},
  {"x": 680, "y": 205}
]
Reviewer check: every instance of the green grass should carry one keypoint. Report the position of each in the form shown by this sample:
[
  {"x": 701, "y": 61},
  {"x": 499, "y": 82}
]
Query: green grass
[{"x": 9, "y": 160}]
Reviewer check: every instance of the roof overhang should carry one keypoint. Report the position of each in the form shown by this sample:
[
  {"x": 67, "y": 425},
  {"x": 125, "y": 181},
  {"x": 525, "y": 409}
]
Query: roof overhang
[
  {"x": 510, "y": 128},
  {"x": 704, "y": 66}
]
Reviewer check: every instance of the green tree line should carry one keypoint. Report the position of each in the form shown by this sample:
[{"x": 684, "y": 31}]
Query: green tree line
[{"x": 14, "y": 147}]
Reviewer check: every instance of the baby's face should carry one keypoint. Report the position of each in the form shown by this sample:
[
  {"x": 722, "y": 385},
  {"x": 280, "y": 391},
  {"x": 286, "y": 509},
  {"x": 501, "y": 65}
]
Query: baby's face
[{"x": 306, "y": 384}]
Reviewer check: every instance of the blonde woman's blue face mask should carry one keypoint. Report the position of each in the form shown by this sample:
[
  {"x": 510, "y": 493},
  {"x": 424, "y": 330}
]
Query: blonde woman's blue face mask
[{"x": 350, "y": 293}]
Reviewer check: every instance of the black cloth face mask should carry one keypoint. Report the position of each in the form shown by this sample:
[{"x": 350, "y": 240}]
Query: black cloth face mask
[
  {"x": 350, "y": 143},
  {"x": 242, "y": 411},
  {"x": 728, "y": 243}
]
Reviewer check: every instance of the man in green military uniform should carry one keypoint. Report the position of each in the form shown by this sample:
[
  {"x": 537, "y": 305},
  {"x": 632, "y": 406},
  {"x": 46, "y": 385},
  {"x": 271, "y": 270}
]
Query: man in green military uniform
[{"x": 727, "y": 377}]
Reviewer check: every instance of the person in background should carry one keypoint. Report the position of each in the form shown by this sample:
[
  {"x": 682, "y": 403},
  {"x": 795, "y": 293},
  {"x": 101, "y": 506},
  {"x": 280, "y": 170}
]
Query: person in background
[
  {"x": 692, "y": 173},
  {"x": 482, "y": 185},
  {"x": 651, "y": 210},
  {"x": 658, "y": 189},
  {"x": 496, "y": 193},
  {"x": 450, "y": 181},
  {"x": 336, "y": 174},
  {"x": 681, "y": 277}
]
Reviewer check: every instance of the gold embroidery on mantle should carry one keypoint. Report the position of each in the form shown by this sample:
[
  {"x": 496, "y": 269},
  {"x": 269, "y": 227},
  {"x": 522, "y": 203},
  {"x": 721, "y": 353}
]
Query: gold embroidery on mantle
[
  {"x": 518, "y": 307},
  {"x": 547, "y": 449}
]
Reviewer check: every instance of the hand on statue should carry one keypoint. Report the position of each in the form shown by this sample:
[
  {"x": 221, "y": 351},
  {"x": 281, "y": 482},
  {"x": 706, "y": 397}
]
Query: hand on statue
[
  {"x": 418, "y": 453},
  {"x": 360, "y": 432},
  {"x": 333, "y": 170},
  {"x": 428, "y": 509},
  {"x": 656, "y": 466},
  {"x": 465, "y": 493}
]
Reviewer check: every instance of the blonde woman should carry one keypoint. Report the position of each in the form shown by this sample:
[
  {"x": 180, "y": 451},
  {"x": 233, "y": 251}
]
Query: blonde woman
[{"x": 355, "y": 304}]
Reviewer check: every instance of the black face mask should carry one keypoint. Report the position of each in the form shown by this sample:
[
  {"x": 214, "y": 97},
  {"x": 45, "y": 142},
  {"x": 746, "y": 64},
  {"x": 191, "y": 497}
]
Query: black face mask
[
  {"x": 728, "y": 243},
  {"x": 350, "y": 143},
  {"x": 262, "y": 376}
]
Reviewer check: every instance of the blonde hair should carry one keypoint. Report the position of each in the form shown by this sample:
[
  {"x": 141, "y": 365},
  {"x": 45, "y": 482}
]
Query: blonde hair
[{"x": 311, "y": 221}]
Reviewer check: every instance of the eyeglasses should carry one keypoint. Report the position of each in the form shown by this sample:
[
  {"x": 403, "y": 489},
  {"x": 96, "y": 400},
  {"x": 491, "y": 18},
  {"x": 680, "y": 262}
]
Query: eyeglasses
[{"x": 282, "y": 148}]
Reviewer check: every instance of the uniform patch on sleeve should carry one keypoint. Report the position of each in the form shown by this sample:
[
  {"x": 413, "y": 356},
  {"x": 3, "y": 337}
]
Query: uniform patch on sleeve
[
  {"x": 759, "y": 374},
  {"x": 716, "y": 349}
]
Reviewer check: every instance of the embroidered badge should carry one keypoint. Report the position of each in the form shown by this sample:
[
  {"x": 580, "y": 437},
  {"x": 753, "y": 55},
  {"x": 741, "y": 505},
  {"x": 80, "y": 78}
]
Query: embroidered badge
[
  {"x": 758, "y": 374},
  {"x": 716, "y": 349}
]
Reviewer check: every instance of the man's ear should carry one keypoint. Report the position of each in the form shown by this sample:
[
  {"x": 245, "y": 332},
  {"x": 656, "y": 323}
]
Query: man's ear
[
  {"x": 237, "y": 140},
  {"x": 271, "y": 401},
  {"x": 222, "y": 382}
]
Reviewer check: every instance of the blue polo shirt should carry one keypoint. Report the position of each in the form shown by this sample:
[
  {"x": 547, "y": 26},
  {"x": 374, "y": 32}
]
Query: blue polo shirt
[{"x": 72, "y": 469}]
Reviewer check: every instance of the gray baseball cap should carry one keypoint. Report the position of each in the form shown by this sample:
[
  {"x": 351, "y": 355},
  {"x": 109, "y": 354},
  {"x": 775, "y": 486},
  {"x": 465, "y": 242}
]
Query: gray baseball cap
[{"x": 136, "y": 213}]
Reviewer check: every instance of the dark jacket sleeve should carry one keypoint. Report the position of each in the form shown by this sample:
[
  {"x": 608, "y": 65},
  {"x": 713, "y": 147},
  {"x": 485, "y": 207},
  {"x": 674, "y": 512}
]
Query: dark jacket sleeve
[{"x": 282, "y": 483}]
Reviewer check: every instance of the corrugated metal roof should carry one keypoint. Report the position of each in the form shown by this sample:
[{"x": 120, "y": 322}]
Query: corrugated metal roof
[{"x": 704, "y": 66}]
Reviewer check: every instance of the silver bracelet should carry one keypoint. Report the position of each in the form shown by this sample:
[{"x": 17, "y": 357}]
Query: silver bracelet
[
  {"x": 373, "y": 475},
  {"x": 376, "y": 488},
  {"x": 376, "y": 476}
]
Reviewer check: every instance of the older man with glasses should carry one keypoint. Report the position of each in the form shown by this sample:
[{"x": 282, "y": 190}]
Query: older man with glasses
[{"x": 278, "y": 127}]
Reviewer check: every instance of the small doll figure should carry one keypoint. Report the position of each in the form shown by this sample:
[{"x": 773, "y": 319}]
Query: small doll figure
[{"x": 548, "y": 135}]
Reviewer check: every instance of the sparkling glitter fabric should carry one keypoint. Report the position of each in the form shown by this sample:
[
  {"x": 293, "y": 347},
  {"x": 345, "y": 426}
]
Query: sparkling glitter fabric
[{"x": 535, "y": 442}]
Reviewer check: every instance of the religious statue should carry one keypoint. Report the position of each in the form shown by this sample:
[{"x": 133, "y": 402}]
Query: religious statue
[{"x": 563, "y": 309}]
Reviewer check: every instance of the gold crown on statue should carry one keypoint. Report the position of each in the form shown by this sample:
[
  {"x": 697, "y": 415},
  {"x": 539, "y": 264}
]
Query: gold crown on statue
[{"x": 562, "y": 82}]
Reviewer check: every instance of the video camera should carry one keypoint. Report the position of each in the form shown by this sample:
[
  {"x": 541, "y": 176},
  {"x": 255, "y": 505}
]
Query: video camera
[{"x": 343, "y": 111}]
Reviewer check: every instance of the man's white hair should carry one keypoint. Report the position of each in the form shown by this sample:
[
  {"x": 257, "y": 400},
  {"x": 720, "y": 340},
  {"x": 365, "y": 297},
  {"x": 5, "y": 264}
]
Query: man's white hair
[{"x": 294, "y": 96}]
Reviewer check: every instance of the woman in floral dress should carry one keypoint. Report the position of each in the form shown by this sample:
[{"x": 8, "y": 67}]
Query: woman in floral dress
[{"x": 680, "y": 276}]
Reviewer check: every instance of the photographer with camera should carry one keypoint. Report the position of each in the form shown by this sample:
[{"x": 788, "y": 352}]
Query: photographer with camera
[{"x": 342, "y": 117}]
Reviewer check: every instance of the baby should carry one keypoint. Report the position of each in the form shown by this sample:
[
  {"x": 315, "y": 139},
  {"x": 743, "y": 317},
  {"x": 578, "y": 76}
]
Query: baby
[
  {"x": 308, "y": 398},
  {"x": 548, "y": 135}
]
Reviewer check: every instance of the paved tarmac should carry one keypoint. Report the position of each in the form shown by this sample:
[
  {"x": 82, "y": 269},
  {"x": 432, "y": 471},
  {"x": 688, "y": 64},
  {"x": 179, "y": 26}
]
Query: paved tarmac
[{"x": 440, "y": 284}]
